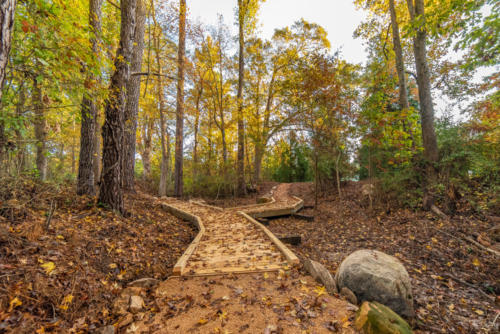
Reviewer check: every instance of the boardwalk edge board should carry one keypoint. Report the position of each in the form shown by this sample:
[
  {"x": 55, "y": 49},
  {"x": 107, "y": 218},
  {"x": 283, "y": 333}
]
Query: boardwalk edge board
[
  {"x": 289, "y": 255},
  {"x": 181, "y": 263},
  {"x": 206, "y": 205}
]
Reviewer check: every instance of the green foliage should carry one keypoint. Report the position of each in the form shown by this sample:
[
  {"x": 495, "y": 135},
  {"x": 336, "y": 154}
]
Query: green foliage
[{"x": 289, "y": 162}]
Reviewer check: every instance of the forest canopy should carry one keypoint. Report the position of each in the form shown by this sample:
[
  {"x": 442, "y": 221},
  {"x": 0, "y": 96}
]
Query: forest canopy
[{"x": 99, "y": 93}]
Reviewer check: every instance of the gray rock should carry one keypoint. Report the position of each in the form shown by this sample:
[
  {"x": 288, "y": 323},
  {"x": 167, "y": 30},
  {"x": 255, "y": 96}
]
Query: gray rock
[
  {"x": 136, "y": 304},
  {"x": 349, "y": 295},
  {"x": 146, "y": 283},
  {"x": 376, "y": 276},
  {"x": 321, "y": 274}
]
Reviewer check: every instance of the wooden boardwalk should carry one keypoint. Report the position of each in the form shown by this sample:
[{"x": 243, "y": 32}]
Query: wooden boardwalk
[{"x": 230, "y": 240}]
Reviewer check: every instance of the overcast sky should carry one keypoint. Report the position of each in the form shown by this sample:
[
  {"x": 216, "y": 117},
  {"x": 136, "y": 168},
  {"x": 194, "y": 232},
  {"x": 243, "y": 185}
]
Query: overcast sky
[{"x": 338, "y": 17}]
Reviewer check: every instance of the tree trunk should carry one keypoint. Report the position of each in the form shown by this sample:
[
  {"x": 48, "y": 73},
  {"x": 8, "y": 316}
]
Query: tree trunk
[
  {"x": 179, "y": 124},
  {"x": 240, "y": 167},
  {"x": 21, "y": 151},
  {"x": 431, "y": 153},
  {"x": 86, "y": 176},
  {"x": 97, "y": 151},
  {"x": 40, "y": 130},
  {"x": 133, "y": 93},
  {"x": 7, "y": 10},
  {"x": 196, "y": 130},
  {"x": 400, "y": 66},
  {"x": 146, "y": 153},
  {"x": 73, "y": 150},
  {"x": 257, "y": 163},
  {"x": 110, "y": 193}
]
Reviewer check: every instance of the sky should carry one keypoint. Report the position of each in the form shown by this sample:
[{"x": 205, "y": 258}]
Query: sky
[{"x": 338, "y": 17}]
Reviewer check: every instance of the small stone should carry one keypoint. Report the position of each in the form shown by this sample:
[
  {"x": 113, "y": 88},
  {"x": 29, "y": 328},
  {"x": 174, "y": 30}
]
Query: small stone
[
  {"x": 133, "y": 328},
  {"x": 110, "y": 329},
  {"x": 146, "y": 283},
  {"x": 349, "y": 295},
  {"x": 136, "y": 304},
  {"x": 262, "y": 200},
  {"x": 124, "y": 321}
]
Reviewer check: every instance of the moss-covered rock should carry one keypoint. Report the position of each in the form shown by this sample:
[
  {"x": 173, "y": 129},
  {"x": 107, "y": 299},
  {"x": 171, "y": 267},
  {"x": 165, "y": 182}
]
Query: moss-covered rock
[{"x": 375, "y": 318}]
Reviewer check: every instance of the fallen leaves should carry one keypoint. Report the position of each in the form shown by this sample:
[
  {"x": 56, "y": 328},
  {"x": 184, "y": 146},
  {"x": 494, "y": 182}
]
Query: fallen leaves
[{"x": 49, "y": 267}]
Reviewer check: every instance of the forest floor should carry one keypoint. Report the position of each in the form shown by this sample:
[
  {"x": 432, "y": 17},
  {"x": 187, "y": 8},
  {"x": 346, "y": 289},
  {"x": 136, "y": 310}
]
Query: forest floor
[
  {"x": 65, "y": 277},
  {"x": 456, "y": 285}
]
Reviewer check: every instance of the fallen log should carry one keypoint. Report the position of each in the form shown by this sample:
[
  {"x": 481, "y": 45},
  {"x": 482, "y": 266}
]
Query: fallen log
[{"x": 292, "y": 239}]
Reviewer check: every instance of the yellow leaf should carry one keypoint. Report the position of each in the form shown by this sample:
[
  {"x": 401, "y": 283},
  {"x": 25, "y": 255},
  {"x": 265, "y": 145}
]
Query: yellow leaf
[
  {"x": 449, "y": 264},
  {"x": 60, "y": 237},
  {"x": 49, "y": 267},
  {"x": 479, "y": 312},
  {"x": 66, "y": 301},
  {"x": 451, "y": 307},
  {"x": 266, "y": 275},
  {"x": 434, "y": 240},
  {"x": 202, "y": 321},
  {"x": 476, "y": 262},
  {"x": 112, "y": 265},
  {"x": 15, "y": 302},
  {"x": 320, "y": 290}
]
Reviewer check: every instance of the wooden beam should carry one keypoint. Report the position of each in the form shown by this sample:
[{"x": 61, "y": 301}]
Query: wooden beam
[{"x": 289, "y": 255}]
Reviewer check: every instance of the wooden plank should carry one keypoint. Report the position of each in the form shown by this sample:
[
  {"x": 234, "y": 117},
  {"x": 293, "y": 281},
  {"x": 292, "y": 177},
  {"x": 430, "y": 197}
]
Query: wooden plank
[
  {"x": 207, "y": 205},
  {"x": 181, "y": 263},
  {"x": 290, "y": 256},
  {"x": 234, "y": 270}
]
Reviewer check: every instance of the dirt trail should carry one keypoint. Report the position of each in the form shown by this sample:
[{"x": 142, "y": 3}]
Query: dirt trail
[{"x": 238, "y": 279}]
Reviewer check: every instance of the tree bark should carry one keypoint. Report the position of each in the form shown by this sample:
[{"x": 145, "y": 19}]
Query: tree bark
[
  {"x": 240, "y": 166},
  {"x": 86, "y": 171},
  {"x": 40, "y": 130},
  {"x": 179, "y": 124},
  {"x": 7, "y": 11},
  {"x": 111, "y": 193},
  {"x": 133, "y": 93},
  {"x": 431, "y": 153}
]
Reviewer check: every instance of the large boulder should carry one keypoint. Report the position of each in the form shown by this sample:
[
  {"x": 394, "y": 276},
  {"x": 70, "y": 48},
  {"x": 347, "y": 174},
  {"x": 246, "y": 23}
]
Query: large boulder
[
  {"x": 375, "y": 318},
  {"x": 376, "y": 276}
]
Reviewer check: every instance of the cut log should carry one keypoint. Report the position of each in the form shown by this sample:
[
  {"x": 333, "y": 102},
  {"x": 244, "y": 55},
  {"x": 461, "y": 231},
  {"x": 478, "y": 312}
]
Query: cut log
[
  {"x": 292, "y": 239},
  {"x": 303, "y": 217}
]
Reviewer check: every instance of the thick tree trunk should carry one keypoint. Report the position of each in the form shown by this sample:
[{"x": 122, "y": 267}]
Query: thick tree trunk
[
  {"x": 257, "y": 167},
  {"x": 40, "y": 130},
  {"x": 179, "y": 124},
  {"x": 431, "y": 153},
  {"x": 240, "y": 166},
  {"x": 7, "y": 10},
  {"x": 86, "y": 176},
  {"x": 110, "y": 192},
  {"x": 133, "y": 93}
]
